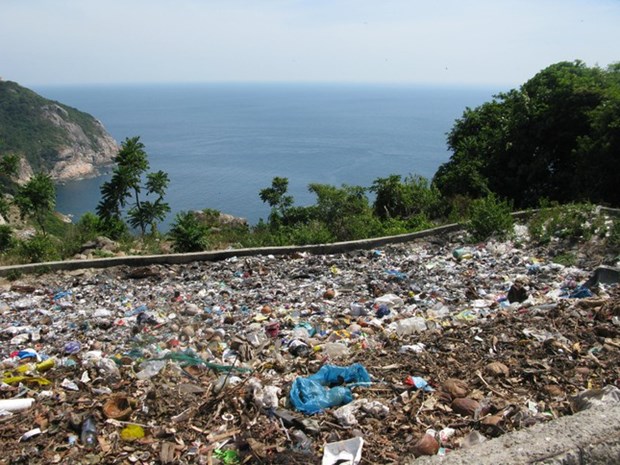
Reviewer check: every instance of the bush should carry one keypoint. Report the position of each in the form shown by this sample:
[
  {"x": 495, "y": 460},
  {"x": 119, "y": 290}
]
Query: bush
[
  {"x": 488, "y": 217},
  {"x": 188, "y": 234},
  {"x": 614, "y": 234},
  {"x": 89, "y": 226},
  {"x": 572, "y": 222},
  {"x": 38, "y": 249},
  {"x": 6, "y": 238}
]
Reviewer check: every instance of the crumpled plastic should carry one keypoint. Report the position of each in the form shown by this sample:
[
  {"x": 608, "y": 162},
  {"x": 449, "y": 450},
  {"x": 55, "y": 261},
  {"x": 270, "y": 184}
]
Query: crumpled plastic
[
  {"x": 608, "y": 395},
  {"x": 343, "y": 452},
  {"x": 346, "y": 414},
  {"x": 324, "y": 388}
]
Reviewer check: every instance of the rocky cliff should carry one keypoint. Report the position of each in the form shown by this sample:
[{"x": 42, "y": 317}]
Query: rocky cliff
[{"x": 51, "y": 137}]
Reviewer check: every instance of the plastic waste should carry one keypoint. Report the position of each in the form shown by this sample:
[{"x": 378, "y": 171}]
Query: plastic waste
[
  {"x": 150, "y": 368},
  {"x": 462, "y": 253},
  {"x": 72, "y": 347},
  {"x": 335, "y": 349},
  {"x": 30, "y": 434},
  {"x": 608, "y": 395},
  {"x": 227, "y": 457},
  {"x": 302, "y": 442},
  {"x": 390, "y": 300},
  {"x": 341, "y": 452},
  {"x": 264, "y": 397},
  {"x": 304, "y": 329},
  {"x": 418, "y": 383},
  {"x": 346, "y": 414},
  {"x": 580, "y": 292},
  {"x": 225, "y": 380},
  {"x": 315, "y": 393},
  {"x": 88, "y": 436},
  {"x": 14, "y": 405},
  {"x": 407, "y": 326},
  {"x": 299, "y": 348},
  {"x": 382, "y": 311},
  {"x": 416, "y": 348},
  {"x": 272, "y": 329},
  {"x": 132, "y": 432},
  {"x": 357, "y": 309}
]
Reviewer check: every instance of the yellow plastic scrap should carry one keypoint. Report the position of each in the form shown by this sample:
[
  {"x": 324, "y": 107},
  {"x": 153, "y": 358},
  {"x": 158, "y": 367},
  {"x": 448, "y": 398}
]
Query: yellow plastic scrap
[
  {"x": 46, "y": 365},
  {"x": 26, "y": 379},
  {"x": 132, "y": 432},
  {"x": 335, "y": 270},
  {"x": 465, "y": 315}
]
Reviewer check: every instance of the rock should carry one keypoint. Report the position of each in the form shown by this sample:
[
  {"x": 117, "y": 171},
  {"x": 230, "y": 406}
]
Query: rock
[
  {"x": 465, "y": 406},
  {"x": 456, "y": 388},
  {"x": 426, "y": 445},
  {"x": 497, "y": 369}
]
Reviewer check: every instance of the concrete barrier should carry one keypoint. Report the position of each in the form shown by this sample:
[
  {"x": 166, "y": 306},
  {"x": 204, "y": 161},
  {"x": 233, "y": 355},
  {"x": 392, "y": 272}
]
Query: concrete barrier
[
  {"x": 180, "y": 258},
  {"x": 590, "y": 437}
]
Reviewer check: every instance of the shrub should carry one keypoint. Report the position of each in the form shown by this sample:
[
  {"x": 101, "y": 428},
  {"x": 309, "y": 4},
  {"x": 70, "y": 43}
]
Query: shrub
[
  {"x": 188, "y": 234},
  {"x": 572, "y": 222},
  {"x": 614, "y": 234},
  {"x": 566, "y": 259},
  {"x": 38, "y": 249},
  {"x": 489, "y": 216},
  {"x": 89, "y": 226},
  {"x": 6, "y": 238}
]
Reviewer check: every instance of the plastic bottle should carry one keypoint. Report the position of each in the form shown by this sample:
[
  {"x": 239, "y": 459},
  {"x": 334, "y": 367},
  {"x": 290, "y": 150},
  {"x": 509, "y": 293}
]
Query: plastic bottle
[
  {"x": 303, "y": 442},
  {"x": 89, "y": 433}
]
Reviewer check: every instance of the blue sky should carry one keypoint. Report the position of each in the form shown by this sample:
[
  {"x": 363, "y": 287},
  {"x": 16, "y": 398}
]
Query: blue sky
[{"x": 445, "y": 42}]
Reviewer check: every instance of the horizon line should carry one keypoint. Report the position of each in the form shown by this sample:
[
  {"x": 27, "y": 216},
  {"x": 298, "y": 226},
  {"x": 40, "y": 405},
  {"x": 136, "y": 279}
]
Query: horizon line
[{"x": 482, "y": 85}]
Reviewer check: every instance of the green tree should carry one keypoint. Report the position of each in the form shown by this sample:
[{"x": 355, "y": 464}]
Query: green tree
[
  {"x": 150, "y": 212},
  {"x": 275, "y": 196},
  {"x": 345, "y": 211},
  {"x": 8, "y": 169},
  {"x": 124, "y": 190},
  {"x": 37, "y": 199},
  {"x": 554, "y": 137}
]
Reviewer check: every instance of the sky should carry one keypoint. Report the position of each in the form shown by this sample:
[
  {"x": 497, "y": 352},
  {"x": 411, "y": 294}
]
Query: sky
[{"x": 442, "y": 42}]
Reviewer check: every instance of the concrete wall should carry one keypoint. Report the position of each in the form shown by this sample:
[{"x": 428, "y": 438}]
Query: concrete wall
[
  {"x": 179, "y": 258},
  {"x": 170, "y": 259},
  {"x": 590, "y": 437}
]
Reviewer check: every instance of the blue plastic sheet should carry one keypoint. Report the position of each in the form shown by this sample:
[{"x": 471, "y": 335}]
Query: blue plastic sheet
[
  {"x": 580, "y": 292},
  {"x": 324, "y": 388}
]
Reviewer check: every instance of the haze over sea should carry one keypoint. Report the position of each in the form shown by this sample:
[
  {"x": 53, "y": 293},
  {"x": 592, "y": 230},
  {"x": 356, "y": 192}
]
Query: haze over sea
[{"x": 222, "y": 143}]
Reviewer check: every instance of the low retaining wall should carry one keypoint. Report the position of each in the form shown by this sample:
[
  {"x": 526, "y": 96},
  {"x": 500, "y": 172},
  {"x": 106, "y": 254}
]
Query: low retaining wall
[
  {"x": 180, "y": 258},
  {"x": 590, "y": 437}
]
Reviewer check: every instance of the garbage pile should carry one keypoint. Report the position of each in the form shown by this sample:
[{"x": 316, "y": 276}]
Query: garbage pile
[{"x": 371, "y": 356}]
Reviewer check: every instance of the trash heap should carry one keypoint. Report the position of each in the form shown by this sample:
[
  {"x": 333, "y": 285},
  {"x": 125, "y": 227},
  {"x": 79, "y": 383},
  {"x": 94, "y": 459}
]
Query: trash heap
[{"x": 371, "y": 356}]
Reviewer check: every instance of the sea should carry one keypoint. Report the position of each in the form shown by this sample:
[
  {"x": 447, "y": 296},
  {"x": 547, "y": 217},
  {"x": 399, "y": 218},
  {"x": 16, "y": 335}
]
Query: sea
[{"x": 222, "y": 143}]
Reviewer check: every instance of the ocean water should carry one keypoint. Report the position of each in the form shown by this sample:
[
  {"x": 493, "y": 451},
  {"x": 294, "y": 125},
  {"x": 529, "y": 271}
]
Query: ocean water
[{"x": 222, "y": 143}]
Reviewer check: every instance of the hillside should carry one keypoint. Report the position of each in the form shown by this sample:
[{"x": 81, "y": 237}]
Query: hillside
[{"x": 50, "y": 136}]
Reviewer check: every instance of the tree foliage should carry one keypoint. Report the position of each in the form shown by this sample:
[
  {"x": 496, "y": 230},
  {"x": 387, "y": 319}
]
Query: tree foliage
[
  {"x": 123, "y": 192},
  {"x": 395, "y": 198},
  {"x": 188, "y": 234},
  {"x": 556, "y": 137},
  {"x": 275, "y": 196},
  {"x": 37, "y": 199}
]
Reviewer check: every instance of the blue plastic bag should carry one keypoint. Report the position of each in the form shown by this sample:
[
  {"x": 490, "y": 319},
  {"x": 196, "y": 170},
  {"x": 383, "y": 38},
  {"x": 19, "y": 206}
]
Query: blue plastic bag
[{"x": 323, "y": 389}]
